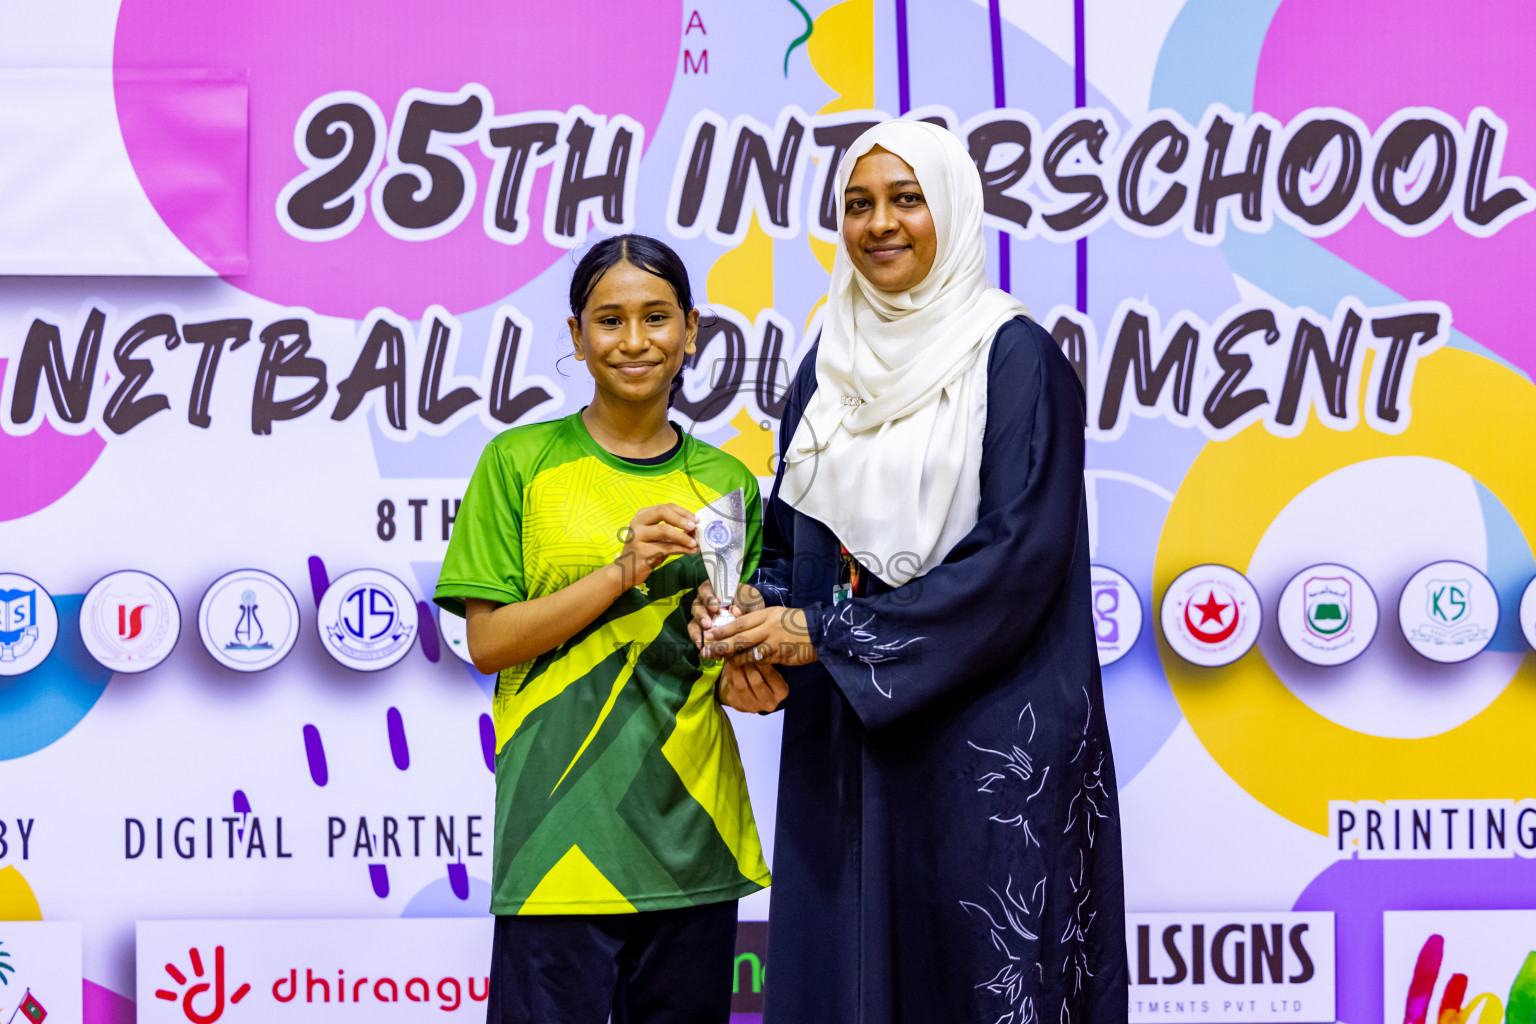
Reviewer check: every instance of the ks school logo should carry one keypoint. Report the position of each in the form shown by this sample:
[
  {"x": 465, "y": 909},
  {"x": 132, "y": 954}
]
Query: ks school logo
[
  {"x": 1448, "y": 611},
  {"x": 1211, "y": 615}
]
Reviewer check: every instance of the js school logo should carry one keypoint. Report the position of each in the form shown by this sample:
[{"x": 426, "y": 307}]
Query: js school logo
[
  {"x": 1211, "y": 615},
  {"x": 367, "y": 620}
]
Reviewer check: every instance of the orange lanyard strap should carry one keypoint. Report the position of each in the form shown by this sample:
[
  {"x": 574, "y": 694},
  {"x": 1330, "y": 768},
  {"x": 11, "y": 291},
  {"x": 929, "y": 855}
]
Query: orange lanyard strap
[{"x": 848, "y": 572}]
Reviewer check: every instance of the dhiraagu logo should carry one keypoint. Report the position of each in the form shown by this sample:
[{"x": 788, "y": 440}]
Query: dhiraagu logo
[{"x": 1460, "y": 967}]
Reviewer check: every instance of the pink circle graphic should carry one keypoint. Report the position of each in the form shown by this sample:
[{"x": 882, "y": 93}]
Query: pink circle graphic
[
  {"x": 611, "y": 58},
  {"x": 43, "y": 466},
  {"x": 1375, "y": 57}
]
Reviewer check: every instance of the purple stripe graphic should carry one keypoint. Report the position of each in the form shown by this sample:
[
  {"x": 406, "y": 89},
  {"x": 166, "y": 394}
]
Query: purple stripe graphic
[
  {"x": 314, "y": 751},
  {"x": 397, "y": 746},
  {"x": 488, "y": 742},
  {"x": 319, "y": 581},
  {"x": 1080, "y": 84},
  {"x": 428, "y": 631},
  {"x": 903, "y": 84},
  {"x": 1079, "y": 61},
  {"x": 995, "y": 21},
  {"x": 1000, "y": 99},
  {"x": 458, "y": 880},
  {"x": 1082, "y": 275},
  {"x": 378, "y": 874}
]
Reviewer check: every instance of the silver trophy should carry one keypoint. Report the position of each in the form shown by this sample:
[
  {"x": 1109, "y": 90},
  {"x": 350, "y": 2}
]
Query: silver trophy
[{"x": 722, "y": 534}]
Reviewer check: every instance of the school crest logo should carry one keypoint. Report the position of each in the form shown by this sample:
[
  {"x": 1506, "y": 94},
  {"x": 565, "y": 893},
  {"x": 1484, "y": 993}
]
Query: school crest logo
[
  {"x": 1328, "y": 614},
  {"x": 1211, "y": 615},
  {"x": 367, "y": 620},
  {"x": 1448, "y": 602},
  {"x": 1528, "y": 613},
  {"x": 455, "y": 634},
  {"x": 1449, "y": 611},
  {"x": 29, "y": 624},
  {"x": 129, "y": 621},
  {"x": 249, "y": 620},
  {"x": 1330, "y": 606},
  {"x": 718, "y": 533},
  {"x": 1116, "y": 613}
]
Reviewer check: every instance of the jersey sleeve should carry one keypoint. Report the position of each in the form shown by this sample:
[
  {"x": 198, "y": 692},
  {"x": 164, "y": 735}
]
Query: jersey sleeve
[
  {"x": 485, "y": 553},
  {"x": 754, "y": 511}
]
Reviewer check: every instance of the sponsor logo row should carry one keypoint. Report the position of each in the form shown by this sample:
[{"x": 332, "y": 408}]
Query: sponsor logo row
[
  {"x": 1327, "y": 614},
  {"x": 1185, "y": 968},
  {"x": 248, "y": 620}
]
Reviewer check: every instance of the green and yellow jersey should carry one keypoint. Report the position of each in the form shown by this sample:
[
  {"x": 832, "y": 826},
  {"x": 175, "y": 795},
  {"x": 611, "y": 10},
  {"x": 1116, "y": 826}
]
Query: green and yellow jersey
[{"x": 618, "y": 784}]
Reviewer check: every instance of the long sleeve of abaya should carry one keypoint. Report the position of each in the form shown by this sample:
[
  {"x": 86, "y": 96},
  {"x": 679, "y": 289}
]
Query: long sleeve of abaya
[{"x": 894, "y": 652}]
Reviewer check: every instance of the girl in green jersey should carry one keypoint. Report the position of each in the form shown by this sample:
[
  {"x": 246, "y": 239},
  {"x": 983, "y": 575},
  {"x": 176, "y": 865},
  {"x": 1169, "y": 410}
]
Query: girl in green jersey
[{"x": 624, "y": 836}]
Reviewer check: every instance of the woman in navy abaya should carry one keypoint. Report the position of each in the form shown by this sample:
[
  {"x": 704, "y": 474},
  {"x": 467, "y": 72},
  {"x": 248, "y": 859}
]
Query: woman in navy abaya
[{"x": 948, "y": 837}]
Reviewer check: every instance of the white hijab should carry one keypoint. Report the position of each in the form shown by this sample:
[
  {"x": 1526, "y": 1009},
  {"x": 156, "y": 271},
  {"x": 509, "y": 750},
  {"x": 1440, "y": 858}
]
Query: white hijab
[{"x": 888, "y": 453}]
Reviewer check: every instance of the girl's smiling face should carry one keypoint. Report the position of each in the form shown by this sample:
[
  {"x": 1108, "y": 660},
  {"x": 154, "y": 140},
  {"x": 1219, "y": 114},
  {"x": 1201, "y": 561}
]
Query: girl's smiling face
[
  {"x": 633, "y": 334},
  {"x": 887, "y": 227}
]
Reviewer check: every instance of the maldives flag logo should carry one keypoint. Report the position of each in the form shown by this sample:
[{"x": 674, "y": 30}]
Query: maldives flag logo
[{"x": 32, "y": 1009}]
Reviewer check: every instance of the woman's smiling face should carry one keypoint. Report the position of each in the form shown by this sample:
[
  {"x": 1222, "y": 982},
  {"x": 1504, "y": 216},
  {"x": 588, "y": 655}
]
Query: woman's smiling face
[{"x": 887, "y": 227}]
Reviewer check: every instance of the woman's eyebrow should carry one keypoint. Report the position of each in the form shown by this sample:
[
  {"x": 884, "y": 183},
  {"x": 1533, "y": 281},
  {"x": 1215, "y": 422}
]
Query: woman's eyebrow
[
  {"x": 620, "y": 306},
  {"x": 903, "y": 183}
]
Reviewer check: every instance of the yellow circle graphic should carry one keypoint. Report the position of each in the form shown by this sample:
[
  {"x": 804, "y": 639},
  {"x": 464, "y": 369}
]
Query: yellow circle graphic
[{"x": 1467, "y": 411}]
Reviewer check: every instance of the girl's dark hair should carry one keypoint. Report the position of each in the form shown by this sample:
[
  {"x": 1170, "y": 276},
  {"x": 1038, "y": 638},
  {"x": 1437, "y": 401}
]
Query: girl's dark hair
[{"x": 647, "y": 253}]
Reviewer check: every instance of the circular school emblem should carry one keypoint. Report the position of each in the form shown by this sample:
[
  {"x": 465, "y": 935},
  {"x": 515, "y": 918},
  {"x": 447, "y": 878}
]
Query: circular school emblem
[
  {"x": 29, "y": 624},
  {"x": 455, "y": 631},
  {"x": 1328, "y": 614},
  {"x": 1116, "y": 613},
  {"x": 1528, "y": 613},
  {"x": 718, "y": 533},
  {"x": 1211, "y": 615},
  {"x": 1448, "y": 611},
  {"x": 367, "y": 620},
  {"x": 129, "y": 621},
  {"x": 248, "y": 620}
]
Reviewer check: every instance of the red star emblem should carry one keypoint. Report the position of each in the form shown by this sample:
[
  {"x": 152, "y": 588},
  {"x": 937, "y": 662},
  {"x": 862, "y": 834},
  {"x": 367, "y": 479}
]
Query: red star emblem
[{"x": 1211, "y": 610}]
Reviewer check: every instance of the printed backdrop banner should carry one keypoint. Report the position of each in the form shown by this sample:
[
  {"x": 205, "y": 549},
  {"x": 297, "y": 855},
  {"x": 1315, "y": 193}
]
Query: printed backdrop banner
[{"x": 278, "y": 271}]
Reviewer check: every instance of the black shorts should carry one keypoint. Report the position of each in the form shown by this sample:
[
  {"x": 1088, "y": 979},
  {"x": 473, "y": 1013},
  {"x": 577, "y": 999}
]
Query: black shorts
[{"x": 653, "y": 967}]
